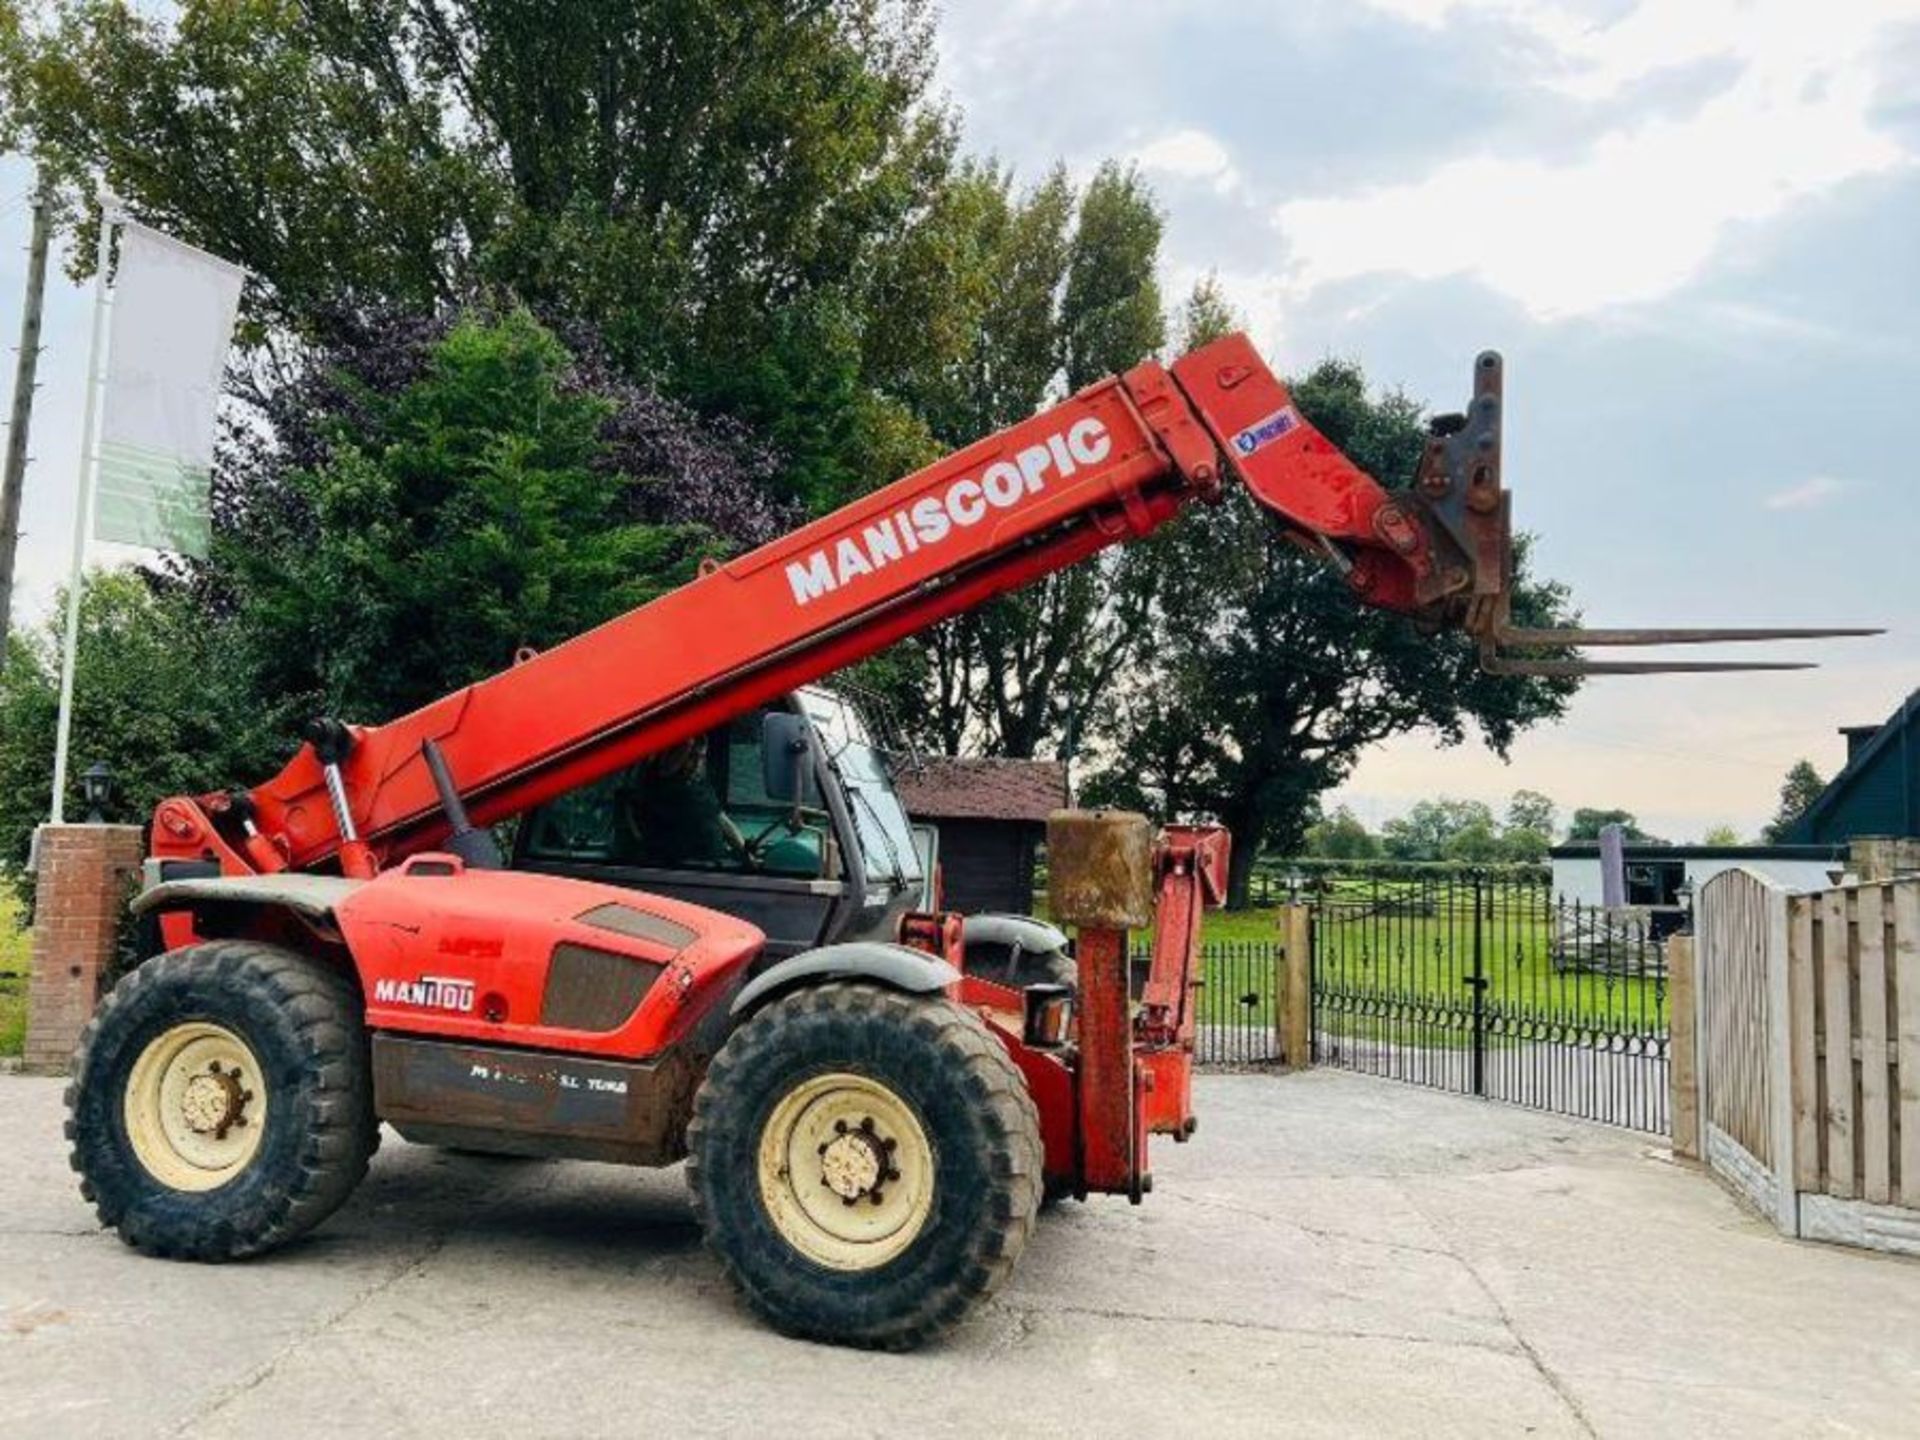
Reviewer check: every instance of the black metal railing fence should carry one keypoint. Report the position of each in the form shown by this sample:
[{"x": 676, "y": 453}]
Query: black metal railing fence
[{"x": 1483, "y": 982}]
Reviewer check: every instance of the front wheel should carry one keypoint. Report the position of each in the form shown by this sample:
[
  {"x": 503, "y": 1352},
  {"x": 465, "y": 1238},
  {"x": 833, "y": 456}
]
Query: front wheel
[
  {"x": 222, "y": 1101},
  {"x": 867, "y": 1164}
]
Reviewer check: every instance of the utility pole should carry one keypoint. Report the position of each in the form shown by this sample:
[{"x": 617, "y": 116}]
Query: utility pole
[{"x": 26, "y": 369}]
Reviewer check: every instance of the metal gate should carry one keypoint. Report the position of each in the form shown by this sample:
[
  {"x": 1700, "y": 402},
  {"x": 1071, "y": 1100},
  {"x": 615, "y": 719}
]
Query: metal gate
[{"x": 1486, "y": 984}]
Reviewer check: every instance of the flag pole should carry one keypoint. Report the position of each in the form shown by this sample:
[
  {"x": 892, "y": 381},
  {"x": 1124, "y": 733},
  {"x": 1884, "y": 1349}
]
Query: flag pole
[{"x": 83, "y": 504}]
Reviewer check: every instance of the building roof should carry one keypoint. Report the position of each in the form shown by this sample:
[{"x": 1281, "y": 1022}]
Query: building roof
[
  {"x": 1878, "y": 793},
  {"x": 975, "y": 789},
  {"x": 1590, "y": 850}
]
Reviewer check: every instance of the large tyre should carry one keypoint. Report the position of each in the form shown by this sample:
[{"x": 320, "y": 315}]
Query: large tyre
[
  {"x": 222, "y": 1101},
  {"x": 866, "y": 1164}
]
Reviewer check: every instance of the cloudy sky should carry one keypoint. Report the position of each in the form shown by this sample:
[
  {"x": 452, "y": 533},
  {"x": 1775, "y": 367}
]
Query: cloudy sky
[{"x": 1693, "y": 226}]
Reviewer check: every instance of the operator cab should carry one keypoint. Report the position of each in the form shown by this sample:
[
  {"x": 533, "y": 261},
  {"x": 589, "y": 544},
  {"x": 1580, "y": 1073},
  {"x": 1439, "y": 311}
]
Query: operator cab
[{"x": 785, "y": 817}]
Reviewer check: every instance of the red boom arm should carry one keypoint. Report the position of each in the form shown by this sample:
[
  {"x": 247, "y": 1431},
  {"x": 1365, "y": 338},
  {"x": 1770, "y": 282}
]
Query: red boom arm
[{"x": 1112, "y": 463}]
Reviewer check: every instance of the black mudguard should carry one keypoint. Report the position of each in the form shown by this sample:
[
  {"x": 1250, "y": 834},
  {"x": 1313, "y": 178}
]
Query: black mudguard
[{"x": 898, "y": 967}]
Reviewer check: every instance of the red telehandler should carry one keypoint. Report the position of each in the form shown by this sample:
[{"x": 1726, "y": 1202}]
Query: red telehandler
[{"x": 870, "y": 1128}]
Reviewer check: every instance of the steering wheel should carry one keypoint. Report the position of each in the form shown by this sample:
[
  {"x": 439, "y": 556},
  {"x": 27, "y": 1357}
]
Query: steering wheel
[
  {"x": 752, "y": 848},
  {"x": 737, "y": 841}
]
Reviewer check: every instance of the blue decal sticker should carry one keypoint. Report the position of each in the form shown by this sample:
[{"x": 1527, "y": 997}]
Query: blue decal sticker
[{"x": 1266, "y": 431}]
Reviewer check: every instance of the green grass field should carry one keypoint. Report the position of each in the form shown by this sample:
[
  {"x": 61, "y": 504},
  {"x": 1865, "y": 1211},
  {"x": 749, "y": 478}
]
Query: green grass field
[{"x": 15, "y": 950}]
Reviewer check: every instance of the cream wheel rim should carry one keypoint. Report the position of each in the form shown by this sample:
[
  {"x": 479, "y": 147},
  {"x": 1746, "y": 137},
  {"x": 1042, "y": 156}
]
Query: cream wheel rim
[
  {"x": 846, "y": 1171},
  {"x": 196, "y": 1106}
]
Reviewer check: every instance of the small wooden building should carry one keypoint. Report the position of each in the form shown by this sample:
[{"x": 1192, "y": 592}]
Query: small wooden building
[{"x": 992, "y": 818}]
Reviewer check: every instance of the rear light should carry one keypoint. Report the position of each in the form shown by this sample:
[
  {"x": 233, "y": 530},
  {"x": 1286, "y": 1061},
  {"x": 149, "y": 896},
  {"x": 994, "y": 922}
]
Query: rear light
[{"x": 1049, "y": 1016}]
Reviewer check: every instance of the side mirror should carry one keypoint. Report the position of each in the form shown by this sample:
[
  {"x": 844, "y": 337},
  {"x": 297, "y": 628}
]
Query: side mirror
[{"x": 783, "y": 750}]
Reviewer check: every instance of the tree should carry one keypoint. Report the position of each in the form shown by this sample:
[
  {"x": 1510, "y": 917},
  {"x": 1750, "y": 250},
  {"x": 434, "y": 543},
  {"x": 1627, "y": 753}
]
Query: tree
[
  {"x": 1720, "y": 835},
  {"x": 755, "y": 204},
  {"x": 1798, "y": 791},
  {"x": 1528, "y": 832},
  {"x": 153, "y": 699},
  {"x": 715, "y": 183},
  {"x": 1479, "y": 843},
  {"x": 1587, "y": 823},
  {"x": 1111, "y": 316},
  {"x": 443, "y": 494},
  {"x": 1265, "y": 680},
  {"x": 1066, "y": 293},
  {"x": 1530, "y": 810},
  {"x": 984, "y": 272},
  {"x": 1341, "y": 836},
  {"x": 1205, "y": 315},
  {"x": 1524, "y": 847},
  {"x": 1433, "y": 829}
]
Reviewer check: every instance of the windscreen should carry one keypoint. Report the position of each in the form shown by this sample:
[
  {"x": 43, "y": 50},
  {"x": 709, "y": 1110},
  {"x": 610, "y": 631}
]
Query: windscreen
[{"x": 886, "y": 837}]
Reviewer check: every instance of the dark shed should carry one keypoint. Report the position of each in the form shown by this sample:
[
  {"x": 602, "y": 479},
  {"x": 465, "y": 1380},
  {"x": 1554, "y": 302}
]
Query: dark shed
[{"x": 992, "y": 817}]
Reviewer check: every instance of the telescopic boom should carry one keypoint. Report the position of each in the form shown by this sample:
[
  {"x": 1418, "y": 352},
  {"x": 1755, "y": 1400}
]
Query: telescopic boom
[{"x": 1110, "y": 464}]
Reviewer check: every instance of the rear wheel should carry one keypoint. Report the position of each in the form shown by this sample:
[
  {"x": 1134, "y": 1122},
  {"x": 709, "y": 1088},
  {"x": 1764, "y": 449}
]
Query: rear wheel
[
  {"x": 867, "y": 1164},
  {"x": 222, "y": 1101},
  {"x": 1006, "y": 965}
]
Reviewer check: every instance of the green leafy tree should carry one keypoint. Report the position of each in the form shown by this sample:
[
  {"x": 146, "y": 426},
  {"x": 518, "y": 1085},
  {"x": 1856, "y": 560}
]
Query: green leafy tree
[
  {"x": 1204, "y": 316},
  {"x": 982, "y": 276},
  {"x": 440, "y": 524},
  {"x": 1720, "y": 835},
  {"x": 1046, "y": 657},
  {"x": 1066, "y": 292},
  {"x": 1479, "y": 843},
  {"x": 1111, "y": 315},
  {"x": 1528, "y": 832},
  {"x": 715, "y": 183},
  {"x": 1523, "y": 847},
  {"x": 439, "y": 495},
  {"x": 1798, "y": 791},
  {"x": 1266, "y": 681},
  {"x": 1341, "y": 836},
  {"x": 154, "y": 698},
  {"x": 1434, "y": 829},
  {"x": 1530, "y": 810},
  {"x": 1588, "y": 822}
]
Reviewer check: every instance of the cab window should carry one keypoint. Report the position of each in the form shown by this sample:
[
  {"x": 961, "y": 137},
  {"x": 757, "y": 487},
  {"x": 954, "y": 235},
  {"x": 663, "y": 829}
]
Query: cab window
[{"x": 701, "y": 805}]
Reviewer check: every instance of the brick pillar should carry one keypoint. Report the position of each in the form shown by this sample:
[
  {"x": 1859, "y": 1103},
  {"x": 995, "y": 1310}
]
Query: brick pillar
[{"x": 79, "y": 893}]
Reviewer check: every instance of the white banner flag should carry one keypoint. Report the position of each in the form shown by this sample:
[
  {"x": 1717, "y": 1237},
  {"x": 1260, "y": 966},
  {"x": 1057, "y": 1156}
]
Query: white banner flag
[{"x": 173, "y": 313}]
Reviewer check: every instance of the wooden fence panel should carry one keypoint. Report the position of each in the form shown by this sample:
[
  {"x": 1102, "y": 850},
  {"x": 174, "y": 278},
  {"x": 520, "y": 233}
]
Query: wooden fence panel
[
  {"x": 1836, "y": 1020},
  {"x": 1876, "y": 1129},
  {"x": 1809, "y": 1014},
  {"x": 1743, "y": 1001},
  {"x": 1906, "y": 1006},
  {"x": 1802, "y": 987}
]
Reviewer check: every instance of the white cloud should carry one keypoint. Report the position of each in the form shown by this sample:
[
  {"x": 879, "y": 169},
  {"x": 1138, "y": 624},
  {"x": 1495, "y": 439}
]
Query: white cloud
[
  {"x": 1644, "y": 209},
  {"x": 1190, "y": 155},
  {"x": 1806, "y": 495}
]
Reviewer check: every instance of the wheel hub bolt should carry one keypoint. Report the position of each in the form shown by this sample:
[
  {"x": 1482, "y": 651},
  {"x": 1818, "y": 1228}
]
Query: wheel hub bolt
[
  {"x": 211, "y": 1103},
  {"x": 855, "y": 1163}
]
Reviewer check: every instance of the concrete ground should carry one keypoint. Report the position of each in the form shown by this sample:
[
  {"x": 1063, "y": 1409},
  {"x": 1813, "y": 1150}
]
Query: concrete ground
[{"x": 1332, "y": 1255}]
